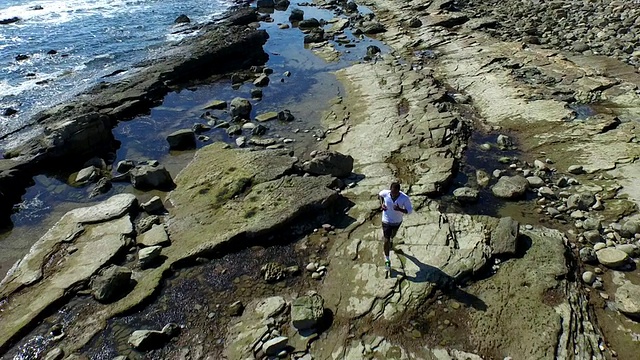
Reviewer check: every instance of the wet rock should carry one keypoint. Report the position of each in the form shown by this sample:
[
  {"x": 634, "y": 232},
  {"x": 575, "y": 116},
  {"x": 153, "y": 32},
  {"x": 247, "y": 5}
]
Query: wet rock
[
  {"x": 505, "y": 236},
  {"x": 275, "y": 345},
  {"x": 199, "y": 128},
  {"x": 372, "y": 50},
  {"x": 147, "y": 177},
  {"x": 309, "y": 23},
  {"x": 580, "y": 201},
  {"x": 102, "y": 187},
  {"x": 236, "y": 309},
  {"x": 285, "y": 115},
  {"x": 234, "y": 130},
  {"x": 125, "y": 165},
  {"x": 55, "y": 354},
  {"x": 504, "y": 142},
  {"x": 535, "y": 181},
  {"x": 157, "y": 235},
  {"x": 259, "y": 130},
  {"x": 216, "y": 104},
  {"x": 588, "y": 277},
  {"x": 315, "y": 36},
  {"x": 261, "y": 81},
  {"x": 9, "y": 111},
  {"x": 111, "y": 283},
  {"x": 628, "y": 299},
  {"x": 182, "y": 140},
  {"x": 352, "y": 6},
  {"x": 510, "y": 187},
  {"x": 182, "y": 19},
  {"x": 326, "y": 162},
  {"x": 371, "y": 27},
  {"x": 21, "y": 57},
  {"x": 482, "y": 178},
  {"x": 588, "y": 255},
  {"x": 273, "y": 272},
  {"x": 612, "y": 258},
  {"x": 10, "y": 20},
  {"x": 87, "y": 174},
  {"x": 575, "y": 169},
  {"x": 147, "y": 339},
  {"x": 466, "y": 195},
  {"x": 146, "y": 223},
  {"x": 266, "y": 4},
  {"x": 271, "y": 115},
  {"x": 148, "y": 255},
  {"x": 296, "y": 15},
  {"x": 630, "y": 228},
  {"x": 307, "y": 311},
  {"x": 592, "y": 236},
  {"x": 240, "y": 107}
]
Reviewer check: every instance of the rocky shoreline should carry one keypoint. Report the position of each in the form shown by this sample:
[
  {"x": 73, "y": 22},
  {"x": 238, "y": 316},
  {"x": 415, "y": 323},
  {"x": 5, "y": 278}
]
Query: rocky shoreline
[{"x": 553, "y": 276}]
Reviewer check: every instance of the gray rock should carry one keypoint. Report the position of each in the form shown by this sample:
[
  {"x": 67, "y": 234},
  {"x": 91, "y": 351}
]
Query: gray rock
[
  {"x": 466, "y": 194},
  {"x": 371, "y": 27},
  {"x": 630, "y": 249},
  {"x": 535, "y": 181},
  {"x": 171, "y": 329},
  {"x": 146, "y": 177},
  {"x": 153, "y": 206},
  {"x": 575, "y": 169},
  {"x": 588, "y": 277},
  {"x": 296, "y": 15},
  {"x": 184, "y": 139},
  {"x": 546, "y": 192},
  {"x": 540, "y": 165},
  {"x": 266, "y": 4},
  {"x": 87, "y": 174},
  {"x": 415, "y": 23},
  {"x": 146, "y": 223},
  {"x": 240, "y": 107},
  {"x": 256, "y": 93},
  {"x": 630, "y": 228},
  {"x": 553, "y": 212},
  {"x": 592, "y": 236},
  {"x": 591, "y": 224},
  {"x": 504, "y": 237},
  {"x": 241, "y": 141},
  {"x": 309, "y": 23},
  {"x": 612, "y": 258},
  {"x": 110, "y": 283},
  {"x": 628, "y": 299},
  {"x": 102, "y": 187},
  {"x": 156, "y": 236},
  {"x": 307, "y": 311},
  {"x": 599, "y": 245},
  {"x": 581, "y": 201},
  {"x": 562, "y": 182},
  {"x": 147, "y": 339},
  {"x": 275, "y": 345},
  {"x": 125, "y": 165},
  {"x": 588, "y": 255},
  {"x": 182, "y": 19},
  {"x": 216, "y": 104},
  {"x": 510, "y": 187},
  {"x": 327, "y": 162},
  {"x": 147, "y": 255},
  {"x": 261, "y": 81},
  {"x": 285, "y": 115}
]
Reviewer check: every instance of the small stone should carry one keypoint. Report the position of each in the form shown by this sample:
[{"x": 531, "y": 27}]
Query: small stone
[
  {"x": 466, "y": 194},
  {"x": 575, "y": 169},
  {"x": 156, "y": 236},
  {"x": 171, "y": 329},
  {"x": 274, "y": 346},
  {"x": 153, "y": 206},
  {"x": 535, "y": 181},
  {"x": 312, "y": 267},
  {"x": 485, "y": 147},
  {"x": 588, "y": 277},
  {"x": 316, "y": 275},
  {"x": 236, "y": 308},
  {"x": 598, "y": 270},
  {"x": 588, "y": 255},
  {"x": 147, "y": 339},
  {"x": 241, "y": 141},
  {"x": 604, "y": 295},
  {"x": 578, "y": 214},
  {"x": 539, "y": 165},
  {"x": 592, "y": 224},
  {"x": 611, "y": 257},
  {"x": 546, "y": 191},
  {"x": 147, "y": 255},
  {"x": 272, "y": 115},
  {"x": 598, "y": 284}
]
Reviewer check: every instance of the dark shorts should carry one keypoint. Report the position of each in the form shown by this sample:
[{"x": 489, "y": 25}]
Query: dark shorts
[{"x": 390, "y": 230}]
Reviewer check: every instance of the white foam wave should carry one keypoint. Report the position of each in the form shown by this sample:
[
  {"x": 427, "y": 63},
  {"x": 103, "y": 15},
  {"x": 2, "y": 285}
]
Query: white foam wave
[{"x": 61, "y": 11}]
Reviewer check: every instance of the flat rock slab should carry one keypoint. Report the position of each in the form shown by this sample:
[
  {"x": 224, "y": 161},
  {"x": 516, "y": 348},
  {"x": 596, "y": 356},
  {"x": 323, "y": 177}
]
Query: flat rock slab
[
  {"x": 611, "y": 257},
  {"x": 272, "y": 115},
  {"x": 157, "y": 235},
  {"x": 628, "y": 299}
]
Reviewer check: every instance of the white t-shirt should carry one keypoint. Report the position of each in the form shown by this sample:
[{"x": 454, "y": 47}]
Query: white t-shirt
[{"x": 391, "y": 216}]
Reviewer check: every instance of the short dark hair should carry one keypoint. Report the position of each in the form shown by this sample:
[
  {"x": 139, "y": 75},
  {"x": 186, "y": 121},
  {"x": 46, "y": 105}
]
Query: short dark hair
[{"x": 395, "y": 185}]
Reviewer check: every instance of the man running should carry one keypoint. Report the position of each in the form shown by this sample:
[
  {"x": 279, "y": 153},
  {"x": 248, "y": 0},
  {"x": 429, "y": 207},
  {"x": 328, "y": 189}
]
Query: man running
[{"x": 394, "y": 204}]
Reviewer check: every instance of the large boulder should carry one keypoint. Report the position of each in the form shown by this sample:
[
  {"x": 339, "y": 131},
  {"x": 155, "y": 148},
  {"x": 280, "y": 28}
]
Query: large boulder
[
  {"x": 110, "y": 284},
  {"x": 328, "y": 162},
  {"x": 504, "y": 237},
  {"x": 628, "y": 299},
  {"x": 510, "y": 187},
  {"x": 611, "y": 257},
  {"x": 184, "y": 139},
  {"x": 240, "y": 107},
  {"x": 147, "y": 177},
  {"x": 307, "y": 311}
]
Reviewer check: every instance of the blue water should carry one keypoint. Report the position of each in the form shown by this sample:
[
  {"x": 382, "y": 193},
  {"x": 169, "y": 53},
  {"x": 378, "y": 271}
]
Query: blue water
[{"x": 93, "y": 38}]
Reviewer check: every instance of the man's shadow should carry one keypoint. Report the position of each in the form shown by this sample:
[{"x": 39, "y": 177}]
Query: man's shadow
[{"x": 444, "y": 282}]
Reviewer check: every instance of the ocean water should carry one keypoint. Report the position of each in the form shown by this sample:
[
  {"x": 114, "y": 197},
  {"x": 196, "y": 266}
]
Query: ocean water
[{"x": 91, "y": 38}]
